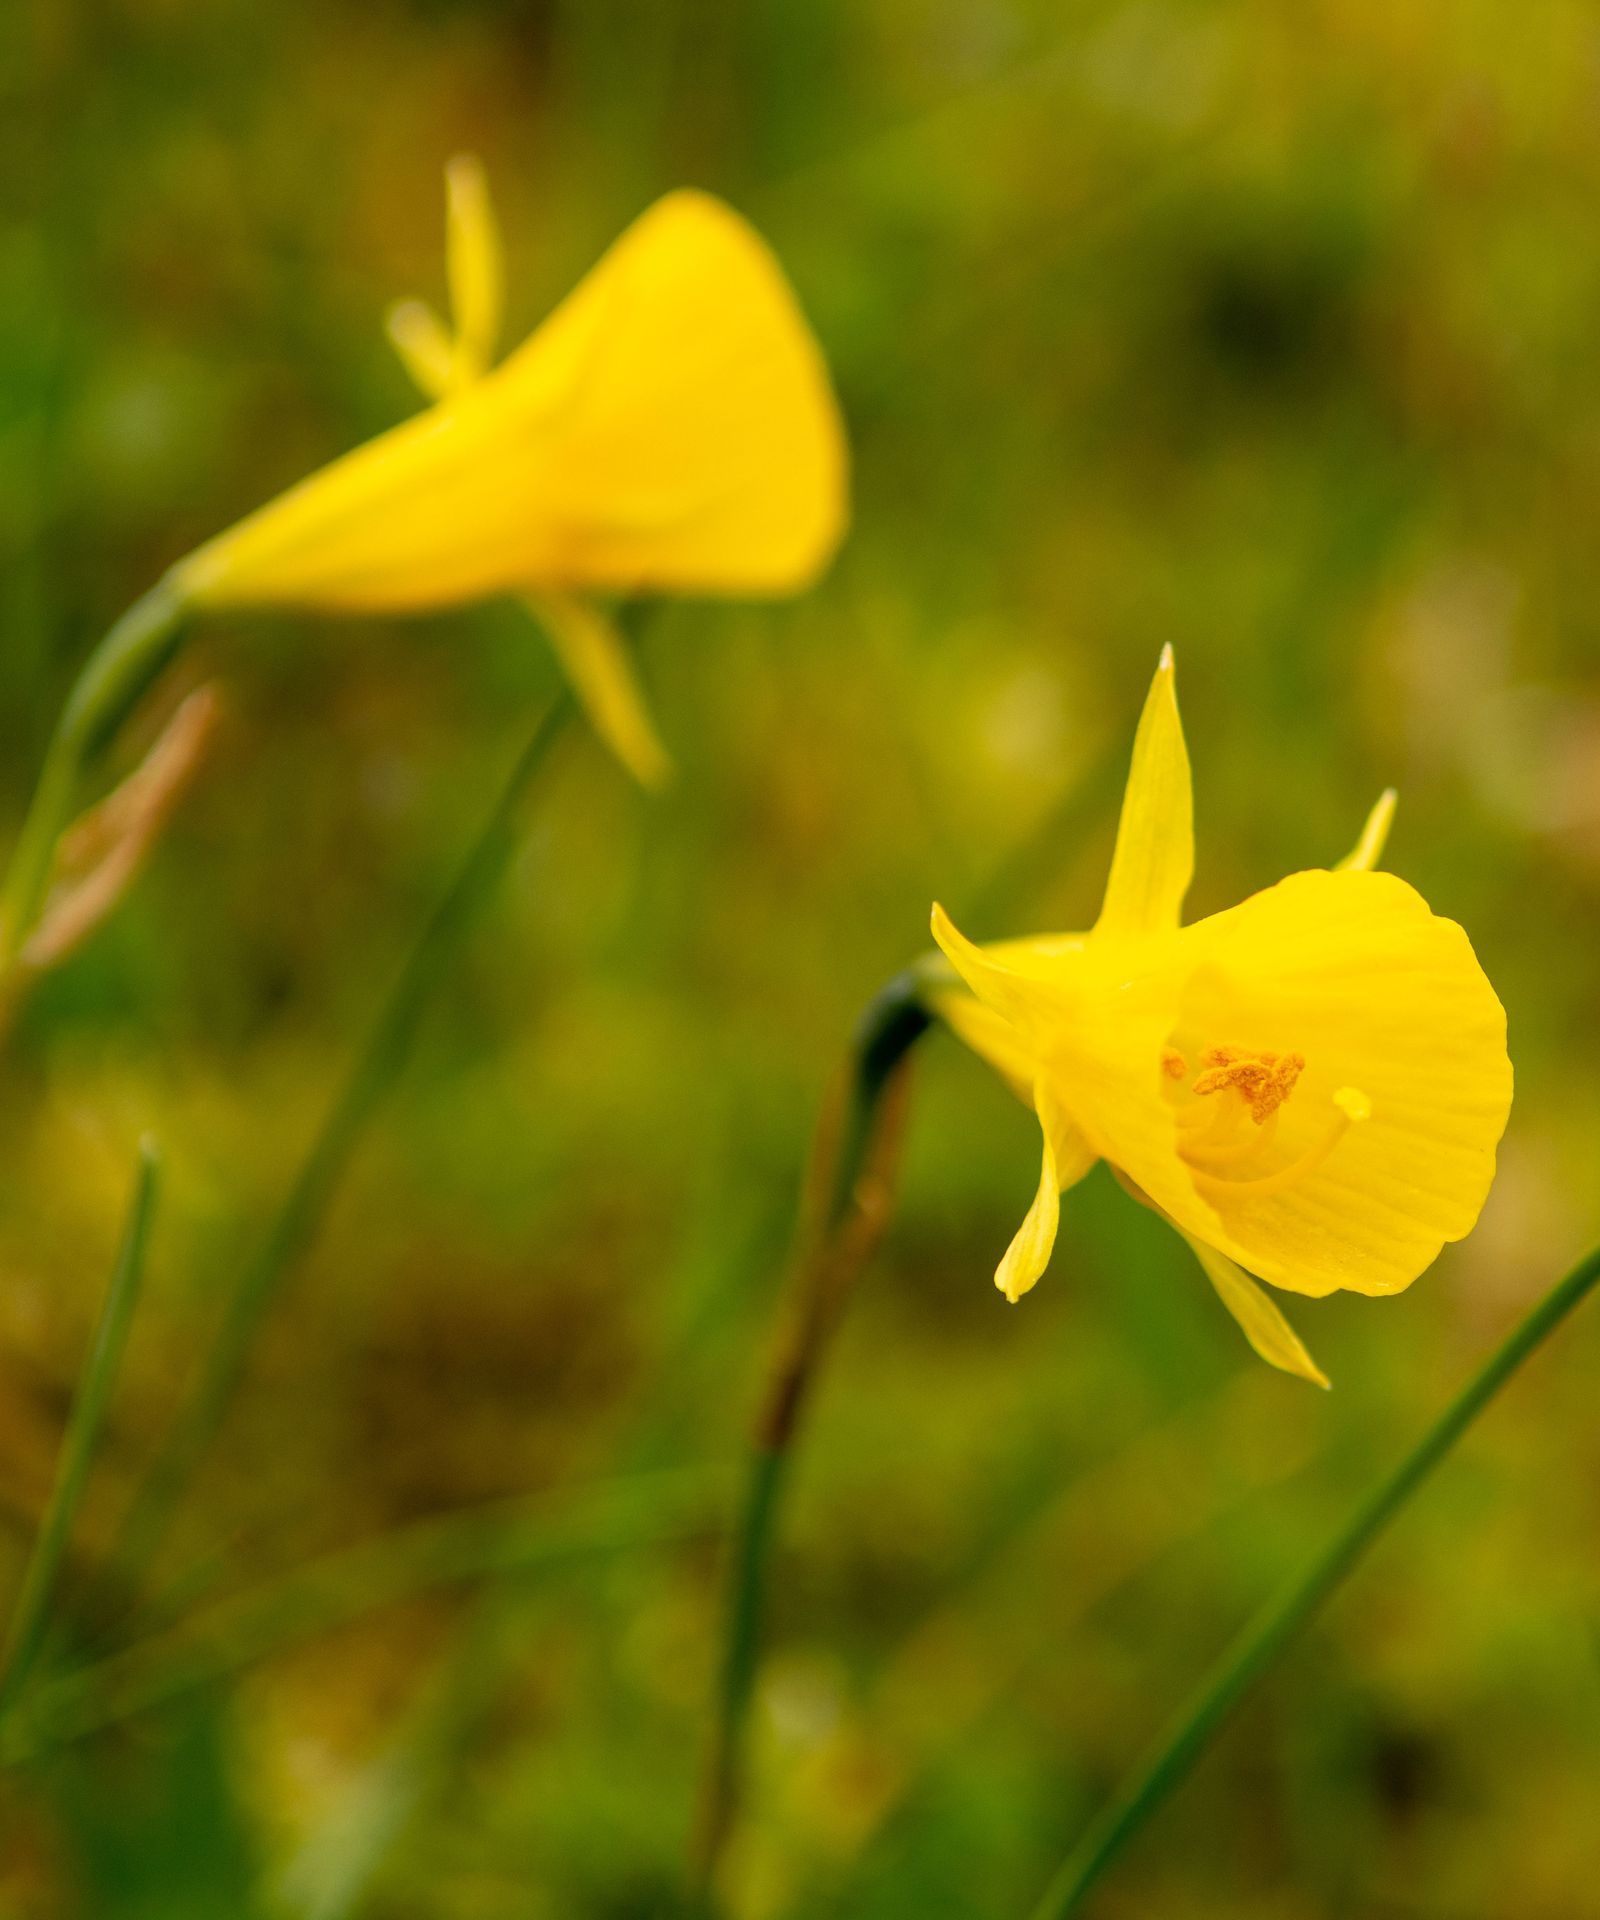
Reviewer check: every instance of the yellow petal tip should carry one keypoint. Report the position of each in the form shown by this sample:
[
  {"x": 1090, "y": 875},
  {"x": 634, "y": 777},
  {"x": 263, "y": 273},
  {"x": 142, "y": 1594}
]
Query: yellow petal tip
[
  {"x": 1364, "y": 856},
  {"x": 1154, "y": 855},
  {"x": 1011, "y": 1284},
  {"x": 653, "y": 768},
  {"x": 948, "y": 937},
  {"x": 597, "y": 663}
]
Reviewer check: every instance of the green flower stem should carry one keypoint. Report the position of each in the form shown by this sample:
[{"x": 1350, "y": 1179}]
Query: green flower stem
[
  {"x": 852, "y": 1169},
  {"x": 507, "y": 1537},
  {"x": 1265, "y": 1638},
  {"x": 841, "y": 1239},
  {"x": 300, "y": 1217},
  {"x": 28, "y": 1622},
  {"x": 116, "y": 674}
]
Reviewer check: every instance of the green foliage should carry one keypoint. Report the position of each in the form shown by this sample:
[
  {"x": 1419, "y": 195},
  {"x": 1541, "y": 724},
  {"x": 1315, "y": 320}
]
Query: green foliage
[{"x": 155, "y": 1829}]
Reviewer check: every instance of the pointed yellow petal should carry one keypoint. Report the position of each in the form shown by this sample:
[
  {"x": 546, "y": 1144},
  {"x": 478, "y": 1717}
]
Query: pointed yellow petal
[
  {"x": 1066, "y": 1160},
  {"x": 1257, "y": 1314},
  {"x": 595, "y": 660},
  {"x": 1364, "y": 856},
  {"x": 426, "y": 350},
  {"x": 1154, "y": 858},
  {"x": 474, "y": 264},
  {"x": 670, "y": 427},
  {"x": 1029, "y": 1253},
  {"x": 1020, "y": 998}
]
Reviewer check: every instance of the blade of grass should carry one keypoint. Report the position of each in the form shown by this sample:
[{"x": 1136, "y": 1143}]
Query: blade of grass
[
  {"x": 28, "y": 1621},
  {"x": 300, "y": 1217},
  {"x": 1277, "y": 1624},
  {"x": 341, "y": 1862},
  {"x": 508, "y": 1537},
  {"x": 329, "y": 1878},
  {"x": 971, "y": 1657}
]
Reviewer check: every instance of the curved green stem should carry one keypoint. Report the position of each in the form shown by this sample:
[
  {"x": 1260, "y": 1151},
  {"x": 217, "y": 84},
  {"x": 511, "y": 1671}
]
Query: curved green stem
[
  {"x": 29, "y": 1621},
  {"x": 1261, "y": 1642},
  {"x": 115, "y": 675},
  {"x": 300, "y": 1217},
  {"x": 852, "y": 1166},
  {"x": 849, "y": 1214}
]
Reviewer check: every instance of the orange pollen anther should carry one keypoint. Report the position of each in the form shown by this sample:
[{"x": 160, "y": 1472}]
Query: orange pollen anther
[
  {"x": 1263, "y": 1080},
  {"x": 1173, "y": 1064}
]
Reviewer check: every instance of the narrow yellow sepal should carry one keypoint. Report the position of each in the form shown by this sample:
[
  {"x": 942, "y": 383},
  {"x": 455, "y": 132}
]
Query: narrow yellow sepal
[
  {"x": 425, "y": 348},
  {"x": 1009, "y": 994},
  {"x": 474, "y": 264},
  {"x": 1364, "y": 856},
  {"x": 1066, "y": 1158},
  {"x": 595, "y": 659},
  {"x": 1034, "y": 1241},
  {"x": 1154, "y": 858},
  {"x": 1259, "y": 1318}
]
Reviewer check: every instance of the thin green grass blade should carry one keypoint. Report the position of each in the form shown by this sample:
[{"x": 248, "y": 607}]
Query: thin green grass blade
[
  {"x": 506, "y": 1538},
  {"x": 341, "y": 1863},
  {"x": 371, "y": 1076},
  {"x": 28, "y": 1622},
  {"x": 1276, "y": 1625},
  {"x": 331, "y": 1876}
]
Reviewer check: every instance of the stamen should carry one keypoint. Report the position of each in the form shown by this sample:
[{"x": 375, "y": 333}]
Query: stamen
[
  {"x": 1351, "y": 1107},
  {"x": 1263, "y": 1080},
  {"x": 1173, "y": 1064}
]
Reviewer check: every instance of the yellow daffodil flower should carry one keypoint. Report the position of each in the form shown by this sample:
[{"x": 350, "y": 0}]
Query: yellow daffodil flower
[
  {"x": 669, "y": 428},
  {"x": 1309, "y": 1087}
]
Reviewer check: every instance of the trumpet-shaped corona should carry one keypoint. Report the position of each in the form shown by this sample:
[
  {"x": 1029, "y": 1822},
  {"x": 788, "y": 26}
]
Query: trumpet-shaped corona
[
  {"x": 670, "y": 428},
  {"x": 1309, "y": 1086}
]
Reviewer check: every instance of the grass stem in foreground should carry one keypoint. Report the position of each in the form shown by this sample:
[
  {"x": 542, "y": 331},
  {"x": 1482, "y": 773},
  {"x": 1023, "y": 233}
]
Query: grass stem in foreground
[
  {"x": 371, "y": 1075},
  {"x": 1261, "y": 1642},
  {"x": 504, "y": 1538},
  {"x": 29, "y": 1621}
]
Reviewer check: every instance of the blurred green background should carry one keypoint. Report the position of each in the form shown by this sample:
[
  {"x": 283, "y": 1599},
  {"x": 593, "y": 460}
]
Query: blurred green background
[{"x": 1268, "y": 329}]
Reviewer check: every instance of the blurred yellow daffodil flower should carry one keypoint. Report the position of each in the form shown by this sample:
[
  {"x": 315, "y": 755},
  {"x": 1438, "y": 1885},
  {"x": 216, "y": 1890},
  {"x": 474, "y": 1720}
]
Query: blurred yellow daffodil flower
[
  {"x": 670, "y": 427},
  {"x": 1309, "y": 1086}
]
